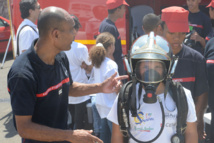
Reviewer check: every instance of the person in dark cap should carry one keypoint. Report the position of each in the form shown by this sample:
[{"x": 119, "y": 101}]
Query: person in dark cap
[
  {"x": 211, "y": 9},
  {"x": 116, "y": 10},
  {"x": 191, "y": 68},
  {"x": 211, "y": 13},
  {"x": 39, "y": 83},
  {"x": 151, "y": 22}
]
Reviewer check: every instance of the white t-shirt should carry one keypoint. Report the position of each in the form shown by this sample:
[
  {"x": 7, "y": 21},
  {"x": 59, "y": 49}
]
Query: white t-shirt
[
  {"x": 104, "y": 101},
  {"x": 147, "y": 124},
  {"x": 76, "y": 55},
  {"x": 27, "y": 35}
]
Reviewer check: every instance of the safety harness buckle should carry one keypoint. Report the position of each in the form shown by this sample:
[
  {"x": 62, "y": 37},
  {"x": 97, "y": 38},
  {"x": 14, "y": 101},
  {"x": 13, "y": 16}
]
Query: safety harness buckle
[
  {"x": 183, "y": 129},
  {"x": 124, "y": 132}
]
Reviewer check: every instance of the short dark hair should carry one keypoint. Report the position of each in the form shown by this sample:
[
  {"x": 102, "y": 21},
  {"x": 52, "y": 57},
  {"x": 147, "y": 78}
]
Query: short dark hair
[
  {"x": 111, "y": 11},
  {"x": 76, "y": 21},
  {"x": 47, "y": 21},
  {"x": 150, "y": 22},
  {"x": 25, "y": 6},
  {"x": 162, "y": 24}
]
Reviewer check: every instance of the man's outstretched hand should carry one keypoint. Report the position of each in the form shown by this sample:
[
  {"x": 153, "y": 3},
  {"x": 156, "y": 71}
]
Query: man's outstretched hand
[{"x": 113, "y": 83}]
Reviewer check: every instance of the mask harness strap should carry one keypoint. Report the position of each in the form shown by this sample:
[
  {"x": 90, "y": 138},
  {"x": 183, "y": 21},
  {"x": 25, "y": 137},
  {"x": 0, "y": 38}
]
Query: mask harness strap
[
  {"x": 182, "y": 106},
  {"x": 133, "y": 107}
]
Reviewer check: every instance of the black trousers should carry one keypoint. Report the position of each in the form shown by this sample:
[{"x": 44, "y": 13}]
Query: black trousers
[{"x": 78, "y": 112}]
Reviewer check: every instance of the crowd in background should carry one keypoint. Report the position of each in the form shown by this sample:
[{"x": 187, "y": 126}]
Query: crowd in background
[{"x": 188, "y": 32}]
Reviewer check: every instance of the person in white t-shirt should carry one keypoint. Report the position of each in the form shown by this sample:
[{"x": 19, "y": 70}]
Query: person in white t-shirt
[
  {"x": 80, "y": 66},
  {"x": 27, "y": 31},
  {"x": 101, "y": 57},
  {"x": 152, "y": 65}
]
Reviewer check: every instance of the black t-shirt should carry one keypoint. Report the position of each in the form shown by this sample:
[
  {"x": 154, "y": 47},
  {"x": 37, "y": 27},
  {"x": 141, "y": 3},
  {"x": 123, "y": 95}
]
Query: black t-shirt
[
  {"x": 209, "y": 55},
  {"x": 201, "y": 23},
  {"x": 191, "y": 71},
  {"x": 210, "y": 35},
  {"x": 109, "y": 26},
  {"x": 40, "y": 90}
]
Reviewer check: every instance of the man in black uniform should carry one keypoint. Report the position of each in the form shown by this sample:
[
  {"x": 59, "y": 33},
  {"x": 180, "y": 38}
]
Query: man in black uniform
[
  {"x": 116, "y": 10},
  {"x": 199, "y": 24},
  {"x": 39, "y": 83},
  {"x": 191, "y": 67},
  {"x": 209, "y": 55}
]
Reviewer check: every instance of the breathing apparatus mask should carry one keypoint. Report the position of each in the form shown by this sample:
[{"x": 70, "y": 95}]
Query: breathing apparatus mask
[
  {"x": 150, "y": 73},
  {"x": 149, "y": 63}
]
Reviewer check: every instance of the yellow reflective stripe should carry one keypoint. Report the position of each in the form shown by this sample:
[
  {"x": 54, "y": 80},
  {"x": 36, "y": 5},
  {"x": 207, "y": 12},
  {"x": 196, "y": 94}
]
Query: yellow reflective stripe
[
  {"x": 123, "y": 42},
  {"x": 86, "y": 42},
  {"x": 93, "y": 42}
]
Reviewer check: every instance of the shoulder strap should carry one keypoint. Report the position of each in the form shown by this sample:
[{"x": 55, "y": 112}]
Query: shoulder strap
[
  {"x": 180, "y": 99},
  {"x": 123, "y": 106},
  {"x": 18, "y": 37}
]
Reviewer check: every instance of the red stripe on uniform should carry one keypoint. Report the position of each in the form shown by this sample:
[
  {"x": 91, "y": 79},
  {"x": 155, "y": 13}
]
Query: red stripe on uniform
[
  {"x": 210, "y": 61},
  {"x": 187, "y": 79},
  {"x": 118, "y": 37},
  {"x": 53, "y": 88},
  {"x": 207, "y": 38},
  {"x": 8, "y": 89},
  {"x": 195, "y": 25}
]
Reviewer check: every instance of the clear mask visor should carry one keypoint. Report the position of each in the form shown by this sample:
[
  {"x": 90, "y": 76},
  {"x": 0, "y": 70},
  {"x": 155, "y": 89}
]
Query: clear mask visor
[{"x": 150, "y": 71}]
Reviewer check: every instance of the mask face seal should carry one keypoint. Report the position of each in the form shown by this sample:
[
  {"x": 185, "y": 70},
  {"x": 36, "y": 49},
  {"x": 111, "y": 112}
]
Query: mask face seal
[{"x": 150, "y": 71}]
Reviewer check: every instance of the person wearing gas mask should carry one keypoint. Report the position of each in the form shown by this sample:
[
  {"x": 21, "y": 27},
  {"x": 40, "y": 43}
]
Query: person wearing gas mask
[{"x": 151, "y": 107}]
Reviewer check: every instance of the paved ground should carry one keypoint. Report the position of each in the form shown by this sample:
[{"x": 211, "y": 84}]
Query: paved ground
[{"x": 7, "y": 132}]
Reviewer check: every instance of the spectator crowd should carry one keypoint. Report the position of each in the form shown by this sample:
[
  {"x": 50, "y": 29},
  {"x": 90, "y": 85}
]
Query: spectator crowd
[{"x": 58, "y": 87}]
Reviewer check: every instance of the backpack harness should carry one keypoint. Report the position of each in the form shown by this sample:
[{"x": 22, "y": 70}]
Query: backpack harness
[{"x": 18, "y": 37}]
